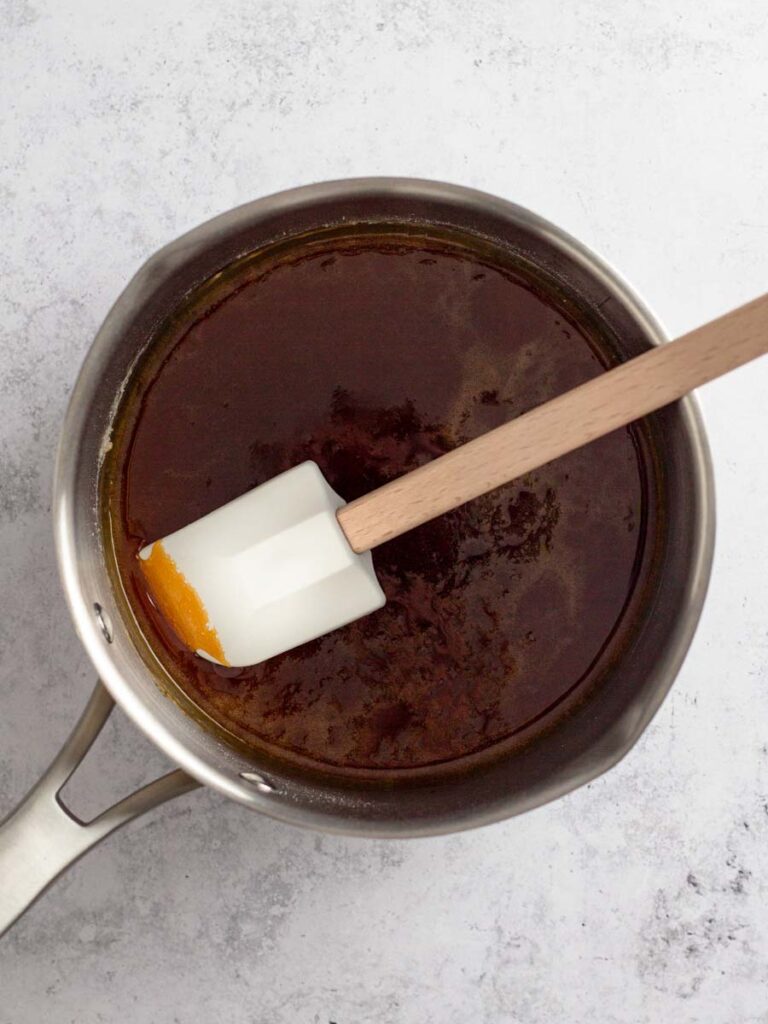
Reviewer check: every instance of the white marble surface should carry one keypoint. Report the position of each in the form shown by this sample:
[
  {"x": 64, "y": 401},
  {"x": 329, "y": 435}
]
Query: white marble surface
[{"x": 641, "y": 128}]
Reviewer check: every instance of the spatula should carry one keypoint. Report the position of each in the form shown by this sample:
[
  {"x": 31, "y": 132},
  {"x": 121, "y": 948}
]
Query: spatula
[{"x": 290, "y": 560}]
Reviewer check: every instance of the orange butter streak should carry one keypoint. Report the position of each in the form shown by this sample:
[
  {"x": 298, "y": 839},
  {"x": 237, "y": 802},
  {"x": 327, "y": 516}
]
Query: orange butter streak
[{"x": 180, "y": 603}]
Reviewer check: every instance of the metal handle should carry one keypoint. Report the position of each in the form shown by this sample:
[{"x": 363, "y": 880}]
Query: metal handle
[{"x": 41, "y": 837}]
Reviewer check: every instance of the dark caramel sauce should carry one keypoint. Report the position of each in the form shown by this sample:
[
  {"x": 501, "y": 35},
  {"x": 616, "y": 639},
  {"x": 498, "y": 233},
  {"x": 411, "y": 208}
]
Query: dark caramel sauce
[{"x": 372, "y": 355}]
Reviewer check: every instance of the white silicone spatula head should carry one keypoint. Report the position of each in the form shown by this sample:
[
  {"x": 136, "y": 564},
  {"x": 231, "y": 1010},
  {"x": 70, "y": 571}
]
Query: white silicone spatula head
[
  {"x": 290, "y": 561},
  {"x": 265, "y": 573}
]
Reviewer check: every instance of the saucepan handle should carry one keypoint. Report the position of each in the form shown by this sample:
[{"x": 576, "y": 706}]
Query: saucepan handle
[{"x": 41, "y": 837}]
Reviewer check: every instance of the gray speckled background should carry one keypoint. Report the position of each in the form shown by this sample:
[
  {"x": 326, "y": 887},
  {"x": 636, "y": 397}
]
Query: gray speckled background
[{"x": 641, "y": 127}]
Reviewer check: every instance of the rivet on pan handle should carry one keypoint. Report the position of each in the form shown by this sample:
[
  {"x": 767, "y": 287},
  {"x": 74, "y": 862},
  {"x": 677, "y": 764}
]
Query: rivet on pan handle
[{"x": 41, "y": 837}]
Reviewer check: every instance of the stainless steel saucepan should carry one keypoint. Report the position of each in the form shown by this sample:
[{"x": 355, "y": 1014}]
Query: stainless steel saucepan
[{"x": 42, "y": 837}]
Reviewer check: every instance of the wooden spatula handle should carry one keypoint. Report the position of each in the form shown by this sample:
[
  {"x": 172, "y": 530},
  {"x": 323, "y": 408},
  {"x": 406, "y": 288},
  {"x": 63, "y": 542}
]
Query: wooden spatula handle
[{"x": 603, "y": 404}]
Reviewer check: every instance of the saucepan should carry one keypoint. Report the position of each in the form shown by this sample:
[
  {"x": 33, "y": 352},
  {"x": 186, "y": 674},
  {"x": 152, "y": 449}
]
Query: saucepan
[{"x": 42, "y": 837}]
